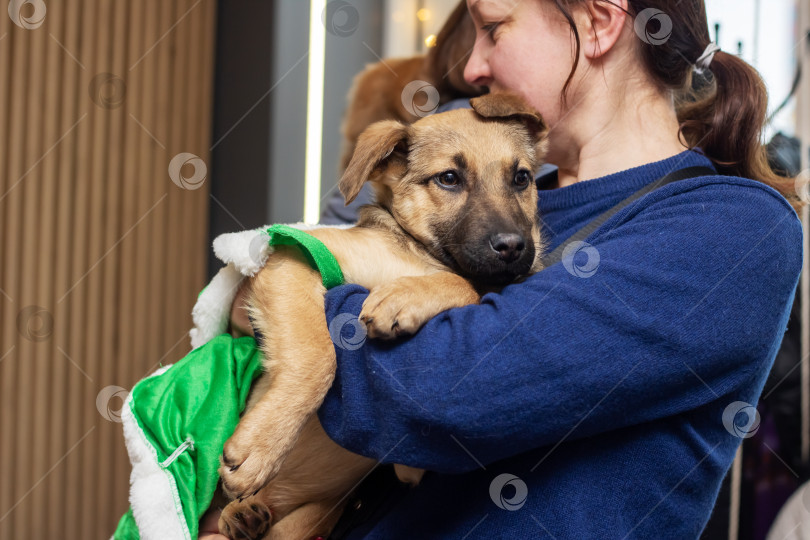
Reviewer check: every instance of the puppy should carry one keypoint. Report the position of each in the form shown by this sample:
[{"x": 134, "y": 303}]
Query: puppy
[
  {"x": 376, "y": 92},
  {"x": 455, "y": 215}
]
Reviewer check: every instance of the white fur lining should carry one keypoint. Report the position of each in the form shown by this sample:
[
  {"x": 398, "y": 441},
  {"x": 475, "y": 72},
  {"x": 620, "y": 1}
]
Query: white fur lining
[
  {"x": 244, "y": 254},
  {"x": 153, "y": 494}
]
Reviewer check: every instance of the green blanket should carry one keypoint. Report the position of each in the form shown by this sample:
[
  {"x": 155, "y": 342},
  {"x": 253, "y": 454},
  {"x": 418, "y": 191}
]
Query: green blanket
[
  {"x": 176, "y": 423},
  {"x": 177, "y": 420}
]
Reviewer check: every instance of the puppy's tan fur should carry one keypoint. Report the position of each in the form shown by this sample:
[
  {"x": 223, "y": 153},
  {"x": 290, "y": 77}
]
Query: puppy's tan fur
[{"x": 399, "y": 250}]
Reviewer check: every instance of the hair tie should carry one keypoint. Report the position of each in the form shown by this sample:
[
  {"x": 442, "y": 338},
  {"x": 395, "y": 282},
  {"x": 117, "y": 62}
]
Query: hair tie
[{"x": 705, "y": 59}]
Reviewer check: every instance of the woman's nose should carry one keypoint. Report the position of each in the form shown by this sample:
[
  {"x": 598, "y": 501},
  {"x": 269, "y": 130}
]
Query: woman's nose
[{"x": 477, "y": 72}]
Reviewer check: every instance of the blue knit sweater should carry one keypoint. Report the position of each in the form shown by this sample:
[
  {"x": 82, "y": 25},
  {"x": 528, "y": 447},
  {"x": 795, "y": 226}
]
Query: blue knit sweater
[{"x": 600, "y": 387}]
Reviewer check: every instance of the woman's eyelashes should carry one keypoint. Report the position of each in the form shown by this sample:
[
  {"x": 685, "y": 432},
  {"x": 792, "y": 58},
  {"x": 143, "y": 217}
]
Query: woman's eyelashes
[{"x": 489, "y": 29}]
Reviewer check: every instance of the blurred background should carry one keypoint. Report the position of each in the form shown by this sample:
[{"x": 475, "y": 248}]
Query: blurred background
[{"x": 134, "y": 132}]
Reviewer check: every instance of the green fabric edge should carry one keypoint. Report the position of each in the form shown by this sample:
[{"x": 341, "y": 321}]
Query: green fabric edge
[
  {"x": 127, "y": 528},
  {"x": 247, "y": 360},
  {"x": 315, "y": 251}
]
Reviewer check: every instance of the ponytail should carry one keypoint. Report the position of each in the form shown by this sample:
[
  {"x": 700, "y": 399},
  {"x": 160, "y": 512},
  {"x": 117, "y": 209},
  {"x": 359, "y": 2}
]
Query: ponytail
[
  {"x": 721, "y": 109},
  {"x": 724, "y": 114}
]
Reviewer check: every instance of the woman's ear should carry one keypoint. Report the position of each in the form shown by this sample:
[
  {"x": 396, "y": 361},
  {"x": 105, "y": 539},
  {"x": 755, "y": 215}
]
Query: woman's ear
[{"x": 600, "y": 24}]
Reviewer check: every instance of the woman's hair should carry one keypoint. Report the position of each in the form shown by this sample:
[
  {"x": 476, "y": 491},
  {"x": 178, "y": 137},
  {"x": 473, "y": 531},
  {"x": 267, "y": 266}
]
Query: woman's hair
[{"x": 723, "y": 110}]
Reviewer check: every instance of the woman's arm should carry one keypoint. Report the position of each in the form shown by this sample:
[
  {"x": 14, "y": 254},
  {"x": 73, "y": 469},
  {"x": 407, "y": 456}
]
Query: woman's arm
[{"x": 688, "y": 304}]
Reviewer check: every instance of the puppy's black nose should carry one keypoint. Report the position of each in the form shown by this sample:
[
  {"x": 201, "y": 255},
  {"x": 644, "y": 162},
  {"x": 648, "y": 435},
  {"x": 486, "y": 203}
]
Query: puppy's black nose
[{"x": 508, "y": 246}]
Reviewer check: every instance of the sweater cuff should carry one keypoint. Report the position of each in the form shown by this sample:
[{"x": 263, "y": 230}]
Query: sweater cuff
[{"x": 342, "y": 306}]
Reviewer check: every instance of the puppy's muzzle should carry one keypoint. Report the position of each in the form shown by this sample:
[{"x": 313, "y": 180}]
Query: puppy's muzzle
[
  {"x": 496, "y": 258},
  {"x": 509, "y": 247}
]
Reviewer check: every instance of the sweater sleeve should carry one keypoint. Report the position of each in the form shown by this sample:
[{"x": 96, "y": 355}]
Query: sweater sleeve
[{"x": 672, "y": 304}]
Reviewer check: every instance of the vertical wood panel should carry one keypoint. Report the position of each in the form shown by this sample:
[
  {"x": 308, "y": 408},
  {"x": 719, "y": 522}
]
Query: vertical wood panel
[
  {"x": 132, "y": 166},
  {"x": 28, "y": 401},
  {"x": 175, "y": 146},
  {"x": 190, "y": 74},
  {"x": 44, "y": 225},
  {"x": 19, "y": 41},
  {"x": 109, "y": 433},
  {"x": 76, "y": 294},
  {"x": 68, "y": 114},
  {"x": 91, "y": 280},
  {"x": 6, "y": 302},
  {"x": 94, "y": 232},
  {"x": 157, "y": 110}
]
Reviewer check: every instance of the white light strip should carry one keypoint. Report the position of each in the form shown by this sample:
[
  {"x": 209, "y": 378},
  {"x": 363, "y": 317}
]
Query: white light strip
[{"x": 312, "y": 166}]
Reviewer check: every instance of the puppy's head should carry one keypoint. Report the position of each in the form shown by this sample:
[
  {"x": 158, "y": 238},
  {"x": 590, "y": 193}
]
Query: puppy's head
[{"x": 462, "y": 184}]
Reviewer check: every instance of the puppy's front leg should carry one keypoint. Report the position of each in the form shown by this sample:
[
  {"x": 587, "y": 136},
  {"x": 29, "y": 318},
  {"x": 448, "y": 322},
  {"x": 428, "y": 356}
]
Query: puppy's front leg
[
  {"x": 286, "y": 301},
  {"x": 403, "y": 306}
]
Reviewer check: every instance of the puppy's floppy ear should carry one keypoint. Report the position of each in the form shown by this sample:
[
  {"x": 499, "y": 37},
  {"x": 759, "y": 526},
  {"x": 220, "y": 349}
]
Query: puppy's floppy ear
[
  {"x": 508, "y": 105},
  {"x": 375, "y": 148}
]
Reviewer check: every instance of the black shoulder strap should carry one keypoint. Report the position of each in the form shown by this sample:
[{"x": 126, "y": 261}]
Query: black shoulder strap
[{"x": 681, "y": 174}]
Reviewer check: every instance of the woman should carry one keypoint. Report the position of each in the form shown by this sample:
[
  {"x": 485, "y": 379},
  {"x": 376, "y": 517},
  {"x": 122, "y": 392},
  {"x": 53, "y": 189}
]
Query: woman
[{"x": 606, "y": 396}]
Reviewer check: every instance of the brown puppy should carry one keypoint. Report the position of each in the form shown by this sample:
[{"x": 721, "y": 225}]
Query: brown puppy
[
  {"x": 456, "y": 213},
  {"x": 376, "y": 92}
]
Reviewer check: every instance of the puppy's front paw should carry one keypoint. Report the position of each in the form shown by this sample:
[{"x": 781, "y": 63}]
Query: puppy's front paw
[
  {"x": 247, "y": 464},
  {"x": 246, "y": 520},
  {"x": 396, "y": 309}
]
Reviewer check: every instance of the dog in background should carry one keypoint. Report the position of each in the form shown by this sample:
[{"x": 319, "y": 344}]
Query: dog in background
[
  {"x": 456, "y": 215},
  {"x": 376, "y": 92}
]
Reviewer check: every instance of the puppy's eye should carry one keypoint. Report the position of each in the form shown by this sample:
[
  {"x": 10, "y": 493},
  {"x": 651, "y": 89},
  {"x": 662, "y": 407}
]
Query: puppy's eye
[
  {"x": 448, "y": 179},
  {"x": 522, "y": 179}
]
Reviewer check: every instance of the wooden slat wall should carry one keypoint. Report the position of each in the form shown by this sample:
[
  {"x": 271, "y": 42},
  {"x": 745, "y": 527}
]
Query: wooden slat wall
[{"x": 101, "y": 254}]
